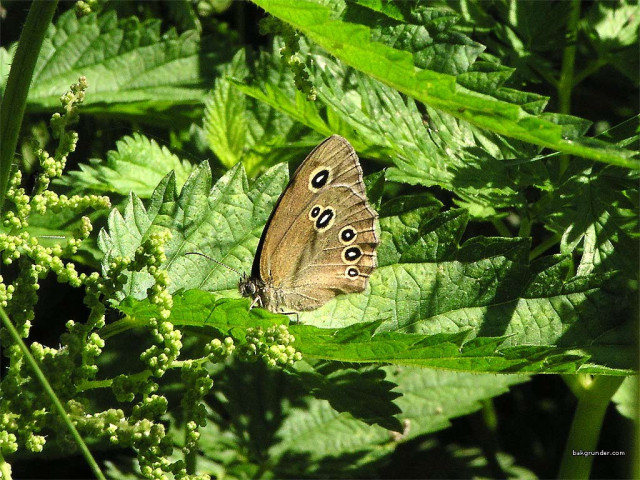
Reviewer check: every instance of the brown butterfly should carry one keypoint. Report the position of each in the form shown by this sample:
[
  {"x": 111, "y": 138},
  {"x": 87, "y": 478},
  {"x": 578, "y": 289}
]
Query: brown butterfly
[{"x": 320, "y": 240}]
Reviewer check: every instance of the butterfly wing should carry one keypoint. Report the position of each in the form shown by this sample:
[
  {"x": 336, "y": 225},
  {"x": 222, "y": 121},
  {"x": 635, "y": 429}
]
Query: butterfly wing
[{"x": 320, "y": 240}]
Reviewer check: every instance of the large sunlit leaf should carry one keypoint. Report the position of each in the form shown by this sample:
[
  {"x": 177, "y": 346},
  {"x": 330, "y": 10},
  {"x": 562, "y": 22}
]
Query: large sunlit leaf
[
  {"x": 475, "y": 306},
  {"x": 352, "y": 42},
  {"x": 132, "y": 68}
]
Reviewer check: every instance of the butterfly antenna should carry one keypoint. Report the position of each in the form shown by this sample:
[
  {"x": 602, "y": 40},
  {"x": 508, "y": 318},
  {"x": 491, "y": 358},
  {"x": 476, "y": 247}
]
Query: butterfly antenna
[{"x": 215, "y": 261}]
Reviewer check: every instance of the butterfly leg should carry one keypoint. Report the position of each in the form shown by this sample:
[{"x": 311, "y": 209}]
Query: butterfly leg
[
  {"x": 297, "y": 320},
  {"x": 256, "y": 300}
]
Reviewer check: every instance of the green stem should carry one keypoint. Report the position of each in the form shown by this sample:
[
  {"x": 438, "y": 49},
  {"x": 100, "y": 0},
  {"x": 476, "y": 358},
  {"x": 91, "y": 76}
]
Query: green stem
[
  {"x": 525, "y": 226},
  {"x": 566, "y": 81},
  {"x": 544, "y": 246},
  {"x": 121, "y": 326},
  {"x": 52, "y": 395},
  {"x": 590, "y": 69},
  {"x": 190, "y": 459},
  {"x": 594, "y": 395},
  {"x": 501, "y": 228},
  {"x": 14, "y": 100}
]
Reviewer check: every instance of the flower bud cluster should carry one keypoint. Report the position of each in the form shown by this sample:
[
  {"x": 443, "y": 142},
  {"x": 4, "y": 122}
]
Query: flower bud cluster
[
  {"x": 197, "y": 384},
  {"x": 25, "y": 410},
  {"x": 274, "y": 345},
  {"x": 290, "y": 53},
  {"x": 160, "y": 357},
  {"x": 217, "y": 350}
]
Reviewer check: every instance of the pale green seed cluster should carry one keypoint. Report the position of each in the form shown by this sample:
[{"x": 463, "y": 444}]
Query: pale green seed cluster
[
  {"x": 160, "y": 357},
  {"x": 138, "y": 431},
  {"x": 197, "y": 384},
  {"x": 25, "y": 410},
  {"x": 291, "y": 54},
  {"x": 274, "y": 345},
  {"x": 217, "y": 350},
  {"x": 85, "y": 7}
]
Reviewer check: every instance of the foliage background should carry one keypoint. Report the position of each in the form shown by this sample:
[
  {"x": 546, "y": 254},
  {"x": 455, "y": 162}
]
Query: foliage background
[{"x": 156, "y": 84}]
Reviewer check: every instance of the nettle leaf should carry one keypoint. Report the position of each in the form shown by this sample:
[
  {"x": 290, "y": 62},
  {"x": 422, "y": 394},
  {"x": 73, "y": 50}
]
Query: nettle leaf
[
  {"x": 485, "y": 288},
  {"x": 431, "y": 398},
  {"x": 626, "y": 398},
  {"x": 305, "y": 437},
  {"x": 354, "y": 43},
  {"x": 311, "y": 436},
  {"x": 425, "y": 32},
  {"x": 524, "y": 35},
  {"x": 596, "y": 209},
  {"x": 132, "y": 68},
  {"x": 478, "y": 306},
  {"x": 612, "y": 29},
  {"x": 137, "y": 165},
  {"x": 242, "y": 129},
  {"x": 358, "y": 343},
  {"x": 363, "y": 392},
  {"x": 224, "y": 221},
  {"x": 483, "y": 169}
]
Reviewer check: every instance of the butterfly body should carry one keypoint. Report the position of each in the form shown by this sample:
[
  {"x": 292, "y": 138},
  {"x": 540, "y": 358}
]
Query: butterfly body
[{"x": 321, "y": 238}]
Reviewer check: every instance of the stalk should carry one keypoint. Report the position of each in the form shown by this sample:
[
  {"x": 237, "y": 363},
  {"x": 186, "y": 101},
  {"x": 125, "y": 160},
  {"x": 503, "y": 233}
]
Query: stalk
[
  {"x": 57, "y": 404},
  {"x": 594, "y": 395},
  {"x": 14, "y": 100}
]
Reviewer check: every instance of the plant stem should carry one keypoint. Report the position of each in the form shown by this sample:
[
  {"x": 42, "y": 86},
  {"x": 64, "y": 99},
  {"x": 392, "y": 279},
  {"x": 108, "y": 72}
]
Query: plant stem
[
  {"x": 190, "y": 459},
  {"x": 544, "y": 246},
  {"x": 501, "y": 227},
  {"x": 594, "y": 395},
  {"x": 52, "y": 395},
  {"x": 565, "y": 83},
  {"x": 15, "y": 95},
  {"x": 525, "y": 226}
]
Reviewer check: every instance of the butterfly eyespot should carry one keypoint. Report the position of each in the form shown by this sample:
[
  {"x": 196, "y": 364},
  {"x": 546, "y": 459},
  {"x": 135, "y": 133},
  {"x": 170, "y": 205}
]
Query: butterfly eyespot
[
  {"x": 351, "y": 254},
  {"x": 314, "y": 212},
  {"x": 319, "y": 178},
  {"x": 347, "y": 235},
  {"x": 326, "y": 219},
  {"x": 352, "y": 273}
]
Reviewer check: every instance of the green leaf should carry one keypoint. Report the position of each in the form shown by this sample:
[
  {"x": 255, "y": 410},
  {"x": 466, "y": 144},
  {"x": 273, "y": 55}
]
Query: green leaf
[
  {"x": 363, "y": 392},
  {"x": 626, "y": 398},
  {"x": 224, "y": 221},
  {"x": 523, "y": 35},
  {"x": 352, "y": 43},
  {"x": 426, "y": 297},
  {"x": 358, "y": 343},
  {"x": 612, "y": 29},
  {"x": 425, "y": 32},
  {"x": 132, "y": 68},
  {"x": 137, "y": 165},
  {"x": 5, "y": 66},
  {"x": 596, "y": 208},
  {"x": 271, "y": 416},
  {"x": 431, "y": 398},
  {"x": 482, "y": 168},
  {"x": 486, "y": 287},
  {"x": 243, "y": 129}
]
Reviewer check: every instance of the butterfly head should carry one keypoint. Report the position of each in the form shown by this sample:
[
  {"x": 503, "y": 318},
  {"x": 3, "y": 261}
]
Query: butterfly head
[
  {"x": 257, "y": 290},
  {"x": 250, "y": 286}
]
